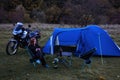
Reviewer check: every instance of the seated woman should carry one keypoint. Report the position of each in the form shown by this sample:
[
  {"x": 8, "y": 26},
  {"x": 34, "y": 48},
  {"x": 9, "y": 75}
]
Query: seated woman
[{"x": 36, "y": 50}]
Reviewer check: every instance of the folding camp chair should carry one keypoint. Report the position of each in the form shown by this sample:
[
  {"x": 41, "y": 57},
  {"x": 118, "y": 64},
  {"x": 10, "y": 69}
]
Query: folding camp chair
[
  {"x": 64, "y": 54},
  {"x": 33, "y": 61},
  {"x": 66, "y": 60},
  {"x": 87, "y": 57}
]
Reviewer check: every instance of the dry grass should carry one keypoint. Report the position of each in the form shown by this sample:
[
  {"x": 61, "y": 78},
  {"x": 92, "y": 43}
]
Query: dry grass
[{"x": 17, "y": 67}]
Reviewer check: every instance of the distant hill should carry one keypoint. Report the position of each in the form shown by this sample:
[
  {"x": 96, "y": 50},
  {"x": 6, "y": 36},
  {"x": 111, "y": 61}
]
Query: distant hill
[{"x": 81, "y": 12}]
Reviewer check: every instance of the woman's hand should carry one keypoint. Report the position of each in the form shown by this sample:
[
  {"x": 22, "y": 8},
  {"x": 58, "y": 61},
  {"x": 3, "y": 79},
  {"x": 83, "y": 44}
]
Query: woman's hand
[{"x": 37, "y": 49}]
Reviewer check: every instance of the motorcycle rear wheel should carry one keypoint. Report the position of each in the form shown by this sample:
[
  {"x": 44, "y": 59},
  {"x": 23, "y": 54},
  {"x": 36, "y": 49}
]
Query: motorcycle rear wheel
[{"x": 11, "y": 48}]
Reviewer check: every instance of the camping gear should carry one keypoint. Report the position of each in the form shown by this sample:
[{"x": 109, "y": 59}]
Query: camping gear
[
  {"x": 63, "y": 55},
  {"x": 82, "y": 40},
  {"x": 33, "y": 61}
]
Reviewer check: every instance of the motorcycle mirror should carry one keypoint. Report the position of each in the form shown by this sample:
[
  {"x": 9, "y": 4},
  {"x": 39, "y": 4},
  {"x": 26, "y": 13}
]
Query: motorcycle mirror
[
  {"x": 29, "y": 25},
  {"x": 13, "y": 24}
]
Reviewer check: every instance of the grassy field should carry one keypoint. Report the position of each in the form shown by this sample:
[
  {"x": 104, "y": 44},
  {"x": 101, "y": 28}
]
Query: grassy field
[{"x": 18, "y": 67}]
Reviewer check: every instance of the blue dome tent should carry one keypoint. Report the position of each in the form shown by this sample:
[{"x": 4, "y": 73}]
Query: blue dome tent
[{"x": 84, "y": 39}]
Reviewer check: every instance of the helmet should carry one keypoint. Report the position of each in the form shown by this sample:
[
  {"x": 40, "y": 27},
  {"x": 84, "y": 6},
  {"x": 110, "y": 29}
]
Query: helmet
[{"x": 32, "y": 34}]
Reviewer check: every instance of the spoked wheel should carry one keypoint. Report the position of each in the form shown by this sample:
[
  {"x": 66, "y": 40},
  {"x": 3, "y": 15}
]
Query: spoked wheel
[{"x": 11, "y": 48}]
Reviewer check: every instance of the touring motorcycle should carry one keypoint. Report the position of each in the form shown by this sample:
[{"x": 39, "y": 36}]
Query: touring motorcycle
[{"x": 16, "y": 42}]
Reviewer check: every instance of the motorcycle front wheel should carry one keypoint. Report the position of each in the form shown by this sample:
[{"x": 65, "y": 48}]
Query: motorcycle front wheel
[{"x": 11, "y": 48}]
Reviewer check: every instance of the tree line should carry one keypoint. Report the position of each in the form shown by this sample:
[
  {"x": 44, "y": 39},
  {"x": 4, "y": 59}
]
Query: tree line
[{"x": 81, "y": 12}]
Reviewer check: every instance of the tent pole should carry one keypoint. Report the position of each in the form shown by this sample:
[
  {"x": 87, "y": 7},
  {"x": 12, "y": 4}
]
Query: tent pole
[
  {"x": 57, "y": 41},
  {"x": 51, "y": 45},
  {"x": 100, "y": 48}
]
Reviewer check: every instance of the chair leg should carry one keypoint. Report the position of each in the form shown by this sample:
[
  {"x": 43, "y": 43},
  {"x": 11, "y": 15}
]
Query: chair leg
[
  {"x": 87, "y": 64},
  {"x": 67, "y": 61},
  {"x": 34, "y": 64}
]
